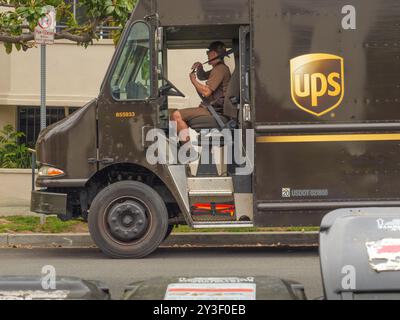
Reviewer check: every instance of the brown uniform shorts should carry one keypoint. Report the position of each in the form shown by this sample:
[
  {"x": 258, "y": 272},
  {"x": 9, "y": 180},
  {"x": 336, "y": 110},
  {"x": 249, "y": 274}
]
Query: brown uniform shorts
[{"x": 192, "y": 113}]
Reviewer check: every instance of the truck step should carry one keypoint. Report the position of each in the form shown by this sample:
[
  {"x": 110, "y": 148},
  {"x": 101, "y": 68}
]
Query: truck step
[{"x": 210, "y": 187}]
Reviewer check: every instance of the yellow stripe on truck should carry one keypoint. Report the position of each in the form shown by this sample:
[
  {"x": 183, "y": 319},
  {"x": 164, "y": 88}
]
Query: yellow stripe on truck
[{"x": 329, "y": 138}]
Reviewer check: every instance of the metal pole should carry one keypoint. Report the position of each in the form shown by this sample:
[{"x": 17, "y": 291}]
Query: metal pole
[
  {"x": 42, "y": 86},
  {"x": 42, "y": 101},
  {"x": 75, "y": 3},
  {"x": 33, "y": 170}
]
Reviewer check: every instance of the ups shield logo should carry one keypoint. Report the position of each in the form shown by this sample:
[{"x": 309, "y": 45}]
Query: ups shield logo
[{"x": 317, "y": 82}]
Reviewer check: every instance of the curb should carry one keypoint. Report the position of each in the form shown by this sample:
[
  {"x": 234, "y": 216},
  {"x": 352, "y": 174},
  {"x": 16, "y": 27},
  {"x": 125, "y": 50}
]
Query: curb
[
  {"x": 250, "y": 239},
  {"x": 3, "y": 240},
  {"x": 50, "y": 240},
  {"x": 222, "y": 239}
]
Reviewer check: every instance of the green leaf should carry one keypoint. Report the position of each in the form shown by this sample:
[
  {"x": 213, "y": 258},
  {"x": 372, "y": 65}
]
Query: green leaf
[
  {"x": 110, "y": 10},
  {"x": 21, "y": 10},
  {"x": 8, "y": 47},
  {"x": 27, "y": 13},
  {"x": 12, "y": 153}
]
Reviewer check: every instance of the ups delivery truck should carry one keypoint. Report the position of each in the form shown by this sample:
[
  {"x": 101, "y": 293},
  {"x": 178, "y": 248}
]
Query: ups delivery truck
[{"x": 311, "y": 123}]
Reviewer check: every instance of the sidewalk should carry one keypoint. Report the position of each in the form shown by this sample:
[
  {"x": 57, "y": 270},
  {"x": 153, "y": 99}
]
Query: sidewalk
[
  {"x": 220, "y": 239},
  {"x": 8, "y": 211}
]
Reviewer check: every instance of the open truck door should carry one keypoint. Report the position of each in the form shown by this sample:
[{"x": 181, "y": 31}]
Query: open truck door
[{"x": 220, "y": 190}]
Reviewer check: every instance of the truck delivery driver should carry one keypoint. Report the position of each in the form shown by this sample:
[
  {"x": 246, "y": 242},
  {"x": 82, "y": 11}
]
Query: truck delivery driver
[{"x": 212, "y": 92}]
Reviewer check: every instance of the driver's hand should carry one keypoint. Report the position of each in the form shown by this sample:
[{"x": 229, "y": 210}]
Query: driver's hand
[
  {"x": 197, "y": 66},
  {"x": 192, "y": 76}
]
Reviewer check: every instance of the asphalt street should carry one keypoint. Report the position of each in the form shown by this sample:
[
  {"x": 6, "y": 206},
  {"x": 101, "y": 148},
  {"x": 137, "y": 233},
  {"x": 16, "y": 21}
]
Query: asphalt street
[{"x": 91, "y": 264}]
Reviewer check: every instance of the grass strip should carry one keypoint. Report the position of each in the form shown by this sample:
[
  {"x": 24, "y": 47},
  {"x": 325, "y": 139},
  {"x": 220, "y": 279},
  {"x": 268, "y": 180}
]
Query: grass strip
[{"x": 31, "y": 224}]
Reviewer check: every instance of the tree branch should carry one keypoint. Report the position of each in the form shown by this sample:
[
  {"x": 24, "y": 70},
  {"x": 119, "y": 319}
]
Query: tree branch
[
  {"x": 27, "y": 37},
  {"x": 81, "y": 38},
  {"x": 84, "y": 38},
  {"x": 23, "y": 38}
]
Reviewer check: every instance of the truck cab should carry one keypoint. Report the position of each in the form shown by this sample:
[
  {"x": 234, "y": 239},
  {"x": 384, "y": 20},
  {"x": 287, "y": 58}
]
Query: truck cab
[{"x": 306, "y": 132}]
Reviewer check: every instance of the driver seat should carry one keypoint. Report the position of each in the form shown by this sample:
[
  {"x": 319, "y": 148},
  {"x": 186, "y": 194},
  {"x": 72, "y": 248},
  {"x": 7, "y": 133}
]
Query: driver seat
[{"x": 205, "y": 122}]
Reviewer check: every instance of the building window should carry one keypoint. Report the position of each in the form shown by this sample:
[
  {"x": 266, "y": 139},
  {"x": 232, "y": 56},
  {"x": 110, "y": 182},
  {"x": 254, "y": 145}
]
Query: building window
[
  {"x": 71, "y": 110},
  {"x": 29, "y": 121},
  {"x": 80, "y": 14}
]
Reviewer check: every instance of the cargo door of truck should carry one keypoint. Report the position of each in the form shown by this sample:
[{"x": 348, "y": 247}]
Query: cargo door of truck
[{"x": 326, "y": 109}]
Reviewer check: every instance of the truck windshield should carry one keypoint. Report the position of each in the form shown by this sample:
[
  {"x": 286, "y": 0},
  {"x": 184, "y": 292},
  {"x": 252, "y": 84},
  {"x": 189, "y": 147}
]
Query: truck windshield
[{"x": 131, "y": 77}]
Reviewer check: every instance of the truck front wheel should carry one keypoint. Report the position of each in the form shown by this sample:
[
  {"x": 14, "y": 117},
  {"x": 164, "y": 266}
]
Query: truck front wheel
[{"x": 128, "y": 220}]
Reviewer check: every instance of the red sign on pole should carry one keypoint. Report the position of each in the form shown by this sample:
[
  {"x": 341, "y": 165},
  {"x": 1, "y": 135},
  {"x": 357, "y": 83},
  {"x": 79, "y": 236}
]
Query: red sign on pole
[{"x": 46, "y": 28}]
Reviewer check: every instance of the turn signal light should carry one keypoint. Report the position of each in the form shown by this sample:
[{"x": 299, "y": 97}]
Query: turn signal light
[{"x": 50, "y": 172}]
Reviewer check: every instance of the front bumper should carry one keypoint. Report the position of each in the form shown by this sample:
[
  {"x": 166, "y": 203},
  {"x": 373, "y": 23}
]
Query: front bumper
[{"x": 49, "y": 203}]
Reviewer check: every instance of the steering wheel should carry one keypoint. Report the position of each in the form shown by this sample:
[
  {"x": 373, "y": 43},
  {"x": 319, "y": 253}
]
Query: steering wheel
[{"x": 171, "y": 90}]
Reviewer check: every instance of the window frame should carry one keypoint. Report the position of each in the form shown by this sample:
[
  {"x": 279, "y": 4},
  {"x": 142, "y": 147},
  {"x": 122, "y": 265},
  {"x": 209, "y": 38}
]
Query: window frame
[{"x": 120, "y": 52}]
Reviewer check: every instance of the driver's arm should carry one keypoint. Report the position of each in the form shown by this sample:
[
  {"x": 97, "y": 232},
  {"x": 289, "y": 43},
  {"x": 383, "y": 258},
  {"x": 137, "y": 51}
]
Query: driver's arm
[
  {"x": 201, "y": 74},
  {"x": 204, "y": 90}
]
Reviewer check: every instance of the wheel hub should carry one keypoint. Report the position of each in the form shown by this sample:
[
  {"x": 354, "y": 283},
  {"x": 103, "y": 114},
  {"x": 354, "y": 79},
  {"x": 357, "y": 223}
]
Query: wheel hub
[{"x": 128, "y": 221}]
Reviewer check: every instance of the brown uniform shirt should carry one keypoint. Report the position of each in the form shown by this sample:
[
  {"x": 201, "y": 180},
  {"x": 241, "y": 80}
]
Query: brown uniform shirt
[{"x": 217, "y": 80}]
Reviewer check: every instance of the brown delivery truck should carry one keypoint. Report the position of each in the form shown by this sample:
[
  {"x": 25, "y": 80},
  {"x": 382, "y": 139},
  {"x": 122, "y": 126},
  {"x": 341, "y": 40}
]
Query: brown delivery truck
[{"x": 310, "y": 123}]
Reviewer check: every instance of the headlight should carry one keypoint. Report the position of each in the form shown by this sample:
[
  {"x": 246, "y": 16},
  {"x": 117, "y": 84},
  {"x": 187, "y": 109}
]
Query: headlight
[{"x": 46, "y": 171}]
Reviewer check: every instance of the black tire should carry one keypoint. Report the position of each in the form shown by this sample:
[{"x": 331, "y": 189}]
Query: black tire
[
  {"x": 169, "y": 231},
  {"x": 145, "y": 202}
]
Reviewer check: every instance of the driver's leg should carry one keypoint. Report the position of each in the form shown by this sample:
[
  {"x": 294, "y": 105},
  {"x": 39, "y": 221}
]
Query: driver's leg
[
  {"x": 181, "y": 126},
  {"x": 183, "y": 118}
]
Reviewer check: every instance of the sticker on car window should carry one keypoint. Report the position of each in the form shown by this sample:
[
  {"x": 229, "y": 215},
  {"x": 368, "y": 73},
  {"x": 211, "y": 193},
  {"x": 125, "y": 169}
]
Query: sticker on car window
[
  {"x": 212, "y": 289},
  {"x": 384, "y": 255}
]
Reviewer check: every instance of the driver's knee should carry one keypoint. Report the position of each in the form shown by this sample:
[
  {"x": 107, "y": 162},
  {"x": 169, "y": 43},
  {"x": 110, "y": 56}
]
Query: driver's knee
[{"x": 176, "y": 116}]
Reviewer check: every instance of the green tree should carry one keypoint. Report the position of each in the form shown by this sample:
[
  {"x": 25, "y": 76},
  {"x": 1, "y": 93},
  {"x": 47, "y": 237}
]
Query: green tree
[
  {"x": 12, "y": 153},
  {"x": 18, "y": 19}
]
